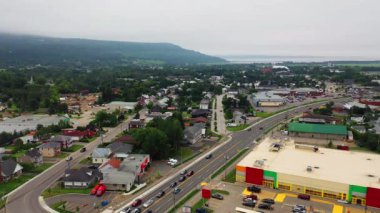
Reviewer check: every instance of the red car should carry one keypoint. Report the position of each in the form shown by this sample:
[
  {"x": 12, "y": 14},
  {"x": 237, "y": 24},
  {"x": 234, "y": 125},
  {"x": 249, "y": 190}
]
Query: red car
[
  {"x": 252, "y": 197},
  {"x": 190, "y": 173},
  {"x": 136, "y": 203},
  {"x": 304, "y": 197},
  {"x": 93, "y": 191},
  {"x": 101, "y": 190}
]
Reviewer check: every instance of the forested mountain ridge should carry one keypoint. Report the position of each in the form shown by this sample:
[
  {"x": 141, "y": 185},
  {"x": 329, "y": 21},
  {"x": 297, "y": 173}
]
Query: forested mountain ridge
[{"x": 25, "y": 50}]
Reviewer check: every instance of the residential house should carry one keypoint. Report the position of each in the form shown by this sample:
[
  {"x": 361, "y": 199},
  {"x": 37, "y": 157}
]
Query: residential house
[
  {"x": 357, "y": 119},
  {"x": 135, "y": 124},
  {"x": 199, "y": 120},
  {"x": 100, "y": 155},
  {"x": 125, "y": 139},
  {"x": 50, "y": 149},
  {"x": 155, "y": 111},
  {"x": 81, "y": 178},
  {"x": 239, "y": 117},
  {"x": 120, "y": 150},
  {"x": 200, "y": 113},
  {"x": 77, "y": 135},
  {"x": 204, "y": 104},
  {"x": 359, "y": 128},
  {"x": 9, "y": 169},
  {"x": 64, "y": 141},
  {"x": 31, "y": 157},
  {"x": 309, "y": 117},
  {"x": 193, "y": 134},
  {"x": 122, "y": 175},
  {"x": 29, "y": 138}
]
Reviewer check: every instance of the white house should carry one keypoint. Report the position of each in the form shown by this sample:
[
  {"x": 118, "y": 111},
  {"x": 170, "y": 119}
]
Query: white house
[{"x": 100, "y": 155}]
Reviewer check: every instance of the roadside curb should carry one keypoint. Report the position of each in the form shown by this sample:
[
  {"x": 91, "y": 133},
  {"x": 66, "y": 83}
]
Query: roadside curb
[{"x": 45, "y": 206}]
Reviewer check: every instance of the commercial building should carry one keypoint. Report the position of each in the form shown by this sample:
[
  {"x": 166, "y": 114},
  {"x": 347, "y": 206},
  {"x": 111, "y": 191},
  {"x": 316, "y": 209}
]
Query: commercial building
[
  {"x": 320, "y": 172},
  {"x": 29, "y": 122},
  {"x": 318, "y": 131},
  {"x": 268, "y": 98}
]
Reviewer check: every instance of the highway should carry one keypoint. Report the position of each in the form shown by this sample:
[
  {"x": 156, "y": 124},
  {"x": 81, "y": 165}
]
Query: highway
[
  {"x": 204, "y": 168},
  {"x": 25, "y": 198}
]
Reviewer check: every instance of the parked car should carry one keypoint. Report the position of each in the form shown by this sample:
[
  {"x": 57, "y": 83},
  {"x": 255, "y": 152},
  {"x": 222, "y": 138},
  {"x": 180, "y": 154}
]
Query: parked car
[
  {"x": 200, "y": 210},
  {"x": 261, "y": 128},
  {"x": 217, "y": 196},
  {"x": 148, "y": 203},
  {"x": 174, "y": 184},
  {"x": 184, "y": 172},
  {"x": 254, "y": 189},
  {"x": 209, "y": 156},
  {"x": 101, "y": 190},
  {"x": 176, "y": 191},
  {"x": 268, "y": 201},
  {"x": 136, "y": 203},
  {"x": 127, "y": 210},
  {"x": 252, "y": 197},
  {"x": 93, "y": 191},
  {"x": 265, "y": 206},
  {"x": 249, "y": 203},
  {"x": 304, "y": 196},
  {"x": 182, "y": 178},
  {"x": 83, "y": 149},
  {"x": 190, "y": 173},
  {"x": 137, "y": 210},
  {"x": 160, "y": 194}
]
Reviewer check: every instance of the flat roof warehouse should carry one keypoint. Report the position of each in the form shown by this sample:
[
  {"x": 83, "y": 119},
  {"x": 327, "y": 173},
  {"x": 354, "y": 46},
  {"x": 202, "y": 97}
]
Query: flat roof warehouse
[{"x": 348, "y": 167}]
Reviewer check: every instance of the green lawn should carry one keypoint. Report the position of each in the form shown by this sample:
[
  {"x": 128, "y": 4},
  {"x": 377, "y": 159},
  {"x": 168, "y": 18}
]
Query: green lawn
[
  {"x": 87, "y": 140},
  {"x": 186, "y": 115},
  {"x": 264, "y": 114},
  {"x": 237, "y": 128},
  {"x": 185, "y": 152},
  {"x": 230, "y": 177},
  {"x": 229, "y": 163},
  {"x": 62, "y": 155},
  {"x": 184, "y": 200},
  {"x": 86, "y": 161},
  {"x": 19, "y": 153},
  {"x": 9, "y": 186},
  {"x": 29, "y": 168},
  {"x": 60, "y": 207},
  {"x": 2, "y": 203},
  {"x": 50, "y": 192},
  {"x": 199, "y": 204},
  {"x": 223, "y": 192},
  {"x": 73, "y": 148}
]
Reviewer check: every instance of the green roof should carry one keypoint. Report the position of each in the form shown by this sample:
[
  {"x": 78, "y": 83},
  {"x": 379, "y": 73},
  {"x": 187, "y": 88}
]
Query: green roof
[{"x": 318, "y": 128}]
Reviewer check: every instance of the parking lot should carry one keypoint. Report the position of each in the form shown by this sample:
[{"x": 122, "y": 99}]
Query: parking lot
[{"x": 284, "y": 202}]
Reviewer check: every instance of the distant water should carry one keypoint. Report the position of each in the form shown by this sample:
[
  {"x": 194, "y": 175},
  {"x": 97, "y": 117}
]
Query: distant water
[{"x": 278, "y": 59}]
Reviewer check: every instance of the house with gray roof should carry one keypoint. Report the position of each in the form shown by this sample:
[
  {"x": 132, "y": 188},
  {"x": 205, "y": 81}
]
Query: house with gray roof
[
  {"x": 32, "y": 156},
  {"x": 120, "y": 148},
  {"x": 9, "y": 169},
  {"x": 81, "y": 178},
  {"x": 50, "y": 149},
  {"x": 359, "y": 128},
  {"x": 100, "y": 155},
  {"x": 65, "y": 141},
  {"x": 193, "y": 134}
]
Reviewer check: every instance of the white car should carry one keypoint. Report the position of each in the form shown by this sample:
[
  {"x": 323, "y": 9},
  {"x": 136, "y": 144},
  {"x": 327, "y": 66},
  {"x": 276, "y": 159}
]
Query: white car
[{"x": 148, "y": 203}]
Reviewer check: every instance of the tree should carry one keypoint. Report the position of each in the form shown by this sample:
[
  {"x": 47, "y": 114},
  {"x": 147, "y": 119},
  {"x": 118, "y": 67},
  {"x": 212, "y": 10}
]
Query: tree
[
  {"x": 153, "y": 142},
  {"x": 105, "y": 119}
]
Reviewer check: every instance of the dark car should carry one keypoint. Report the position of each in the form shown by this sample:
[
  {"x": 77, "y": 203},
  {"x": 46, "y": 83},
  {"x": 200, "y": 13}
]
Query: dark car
[
  {"x": 93, "y": 167},
  {"x": 182, "y": 178},
  {"x": 200, "y": 210},
  {"x": 160, "y": 194},
  {"x": 174, "y": 184},
  {"x": 136, "y": 203},
  {"x": 176, "y": 191},
  {"x": 83, "y": 149},
  {"x": 184, "y": 172},
  {"x": 209, "y": 156},
  {"x": 251, "y": 196},
  {"x": 304, "y": 197},
  {"x": 149, "y": 211},
  {"x": 250, "y": 129},
  {"x": 217, "y": 196},
  {"x": 268, "y": 201},
  {"x": 261, "y": 128},
  {"x": 254, "y": 189},
  {"x": 249, "y": 203},
  {"x": 190, "y": 173},
  {"x": 265, "y": 206},
  {"x": 137, "y": 210}
]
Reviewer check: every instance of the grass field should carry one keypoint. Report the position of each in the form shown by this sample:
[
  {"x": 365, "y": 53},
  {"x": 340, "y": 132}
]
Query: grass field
[
  {"x": 60, "y": 190},
  {"x": 184, "y": 200},
  {"x": 237, "y": 128},
  {"x": 200, "y": 204},
  {"x": 230, "y": 177},
  {"x": 73, "y": 148},
  {"x": 9, "y": 186}
]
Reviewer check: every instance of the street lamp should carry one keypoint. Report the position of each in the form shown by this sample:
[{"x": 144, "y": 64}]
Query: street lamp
[{"x": 226, "y": 157}]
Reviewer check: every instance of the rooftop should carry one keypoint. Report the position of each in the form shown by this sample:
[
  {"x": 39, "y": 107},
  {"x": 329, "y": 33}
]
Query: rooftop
[
  {"x": 28, "y": 122},
  {"x": 318, "y": 128},
  {"x": 267, "y": 96},
  {"x": 347, "y": 167}
]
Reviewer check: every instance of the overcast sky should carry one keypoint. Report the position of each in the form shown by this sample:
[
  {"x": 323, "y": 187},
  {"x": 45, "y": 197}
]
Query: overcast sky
[{"x": 217, "y": 27}]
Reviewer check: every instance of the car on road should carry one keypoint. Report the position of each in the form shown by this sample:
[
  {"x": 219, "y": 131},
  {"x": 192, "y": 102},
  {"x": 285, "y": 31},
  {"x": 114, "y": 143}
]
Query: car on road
[
  {"x": 83, "y": 149},
  {"x": 254, "y": 189},
  {"x": 148, "y": 203},
  {"x": 95, "y": 189},
  {"x": 265, "y": 206},
  {"x": 268, "y": 201},
  {"x": 174, "y": 184},
  {"x": 101, "y": 190},
  {"x": 182, "y": 178},
  {"x": 136, "y": 203},
  {"x": 209, "y": 156},
  {"x": 189, "y": 174},
  {"x": 261, "y": 128},
  {"x": 200, "y": 210},
  {"x": 176, "y": 191},
  {"x": 184, "y": 172},
  {"x": 250, "y": 129},
  {"x": 217, "y": 196},
  {"x": 303, "y": 196},
  {"x": 249, "y": 203},
  {"x": 126, "y": 210},
  {"x": 137, "y": 210},
  {"x": 160, "y": 194}
]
